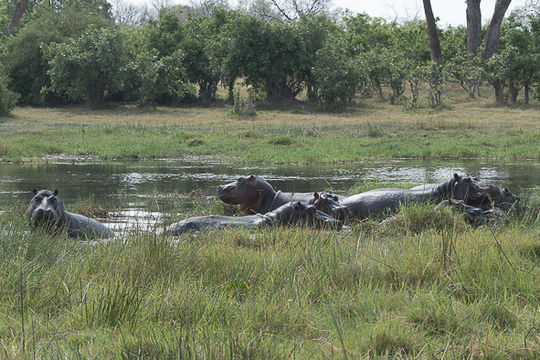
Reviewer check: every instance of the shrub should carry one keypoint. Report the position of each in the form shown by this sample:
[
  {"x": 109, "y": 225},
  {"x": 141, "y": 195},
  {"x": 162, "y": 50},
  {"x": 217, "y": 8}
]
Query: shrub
[{"x": 8, "y": 99}]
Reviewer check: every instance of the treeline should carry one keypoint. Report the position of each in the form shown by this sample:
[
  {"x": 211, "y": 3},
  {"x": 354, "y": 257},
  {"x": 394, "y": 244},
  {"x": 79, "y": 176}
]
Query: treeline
[{"x": 73, "y": 51}]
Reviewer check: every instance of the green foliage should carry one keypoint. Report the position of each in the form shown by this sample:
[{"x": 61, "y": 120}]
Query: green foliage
[
  {"x": 150, "y": 77},
  {"x": 337, "y": 76},
  {"x": 24, "y": 59},
  {"x": 89, "y": 67},
  {"x": 185, "y": 54},
  {"x": 274, "y": 57},
  {"x": 8, "y": 99}
]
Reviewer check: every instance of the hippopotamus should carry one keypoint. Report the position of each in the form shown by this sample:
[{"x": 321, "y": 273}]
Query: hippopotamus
[
  {"x": 475, "y": 215},
  {"x": 459, "y": 187},
  {"x": 254, "y": 194},
  {"x": 288, "y": 213},
  {"x": 46, "y": 210},
  {"x": 329, "y": 204},
  {"x": 511, "y": 203}
]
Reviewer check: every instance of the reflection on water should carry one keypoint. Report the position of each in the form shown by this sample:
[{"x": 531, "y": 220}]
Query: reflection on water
[{"x": 142, "y": 191}]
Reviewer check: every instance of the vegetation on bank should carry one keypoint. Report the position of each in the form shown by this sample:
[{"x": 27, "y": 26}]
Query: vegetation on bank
[
  {"x": 424, "y": 285},
  {"x": 369, "y": 130},
  {"x": 73, "y": 52}
]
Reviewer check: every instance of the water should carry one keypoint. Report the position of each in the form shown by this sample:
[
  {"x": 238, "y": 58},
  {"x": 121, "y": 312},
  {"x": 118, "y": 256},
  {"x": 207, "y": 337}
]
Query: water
[{"x": 141, "y": 192}]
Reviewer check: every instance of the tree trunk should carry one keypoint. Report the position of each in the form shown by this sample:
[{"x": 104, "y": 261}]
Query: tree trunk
[
  {"x": 526, "y": 93},
  {"x": 499, "y": 91},
  {"x": 277, "y": 92},
  {"x": 231, "y": 91},
  {"x": 434, "y": 44},
  {"x": 493, "y": 31},
  {"x": 493, "y": 34},
  {"x": 22, "y": 5},
  {"x": 474, "y": 28}
]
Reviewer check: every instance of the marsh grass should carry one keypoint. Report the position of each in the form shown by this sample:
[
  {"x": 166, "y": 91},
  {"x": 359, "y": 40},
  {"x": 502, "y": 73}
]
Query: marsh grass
[
  {"x": 422, "y": 284},
  {"x": 292, "y": 133}
]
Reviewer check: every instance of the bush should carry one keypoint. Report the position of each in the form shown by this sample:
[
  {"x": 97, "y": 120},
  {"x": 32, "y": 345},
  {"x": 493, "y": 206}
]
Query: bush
[
  {"x": 89, "y": 67},
  {"x": 8, "y": 99},
  {"x": 337, "y": 77}
]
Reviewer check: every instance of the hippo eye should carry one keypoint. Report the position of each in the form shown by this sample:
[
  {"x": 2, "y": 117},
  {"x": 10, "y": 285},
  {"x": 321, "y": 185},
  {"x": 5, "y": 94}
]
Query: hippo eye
[
  {"x": 240, "y": 179},
  {"x": 38, "y": 199},
  {"x": 52, "y": 199}
]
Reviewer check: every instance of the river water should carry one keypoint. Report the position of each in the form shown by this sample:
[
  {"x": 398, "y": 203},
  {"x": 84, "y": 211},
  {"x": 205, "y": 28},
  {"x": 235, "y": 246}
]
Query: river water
[{"x": 141, "y": 191}]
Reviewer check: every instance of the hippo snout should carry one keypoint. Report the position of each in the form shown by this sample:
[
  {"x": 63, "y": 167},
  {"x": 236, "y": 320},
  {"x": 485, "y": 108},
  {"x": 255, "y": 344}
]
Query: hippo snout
[
  {"x": 42, "y": 215},
  {"x": 494, "y": 192},
  {"x": 223, "y": 190}
]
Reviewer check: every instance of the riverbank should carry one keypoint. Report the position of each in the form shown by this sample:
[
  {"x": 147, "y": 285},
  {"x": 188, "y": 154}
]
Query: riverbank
[
  {"x": 425, "y": 285},
  {"x": 294, "y": 134}
]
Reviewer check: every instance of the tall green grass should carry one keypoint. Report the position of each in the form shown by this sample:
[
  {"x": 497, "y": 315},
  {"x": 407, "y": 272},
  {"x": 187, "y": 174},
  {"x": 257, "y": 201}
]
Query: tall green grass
[{"x": 423, "y": 284}]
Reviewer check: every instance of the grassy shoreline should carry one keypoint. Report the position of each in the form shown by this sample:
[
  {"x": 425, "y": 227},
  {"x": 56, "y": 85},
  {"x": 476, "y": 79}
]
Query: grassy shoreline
[
  {"x": 370, "y": 131},
  {"x": 423, "y": 285}
]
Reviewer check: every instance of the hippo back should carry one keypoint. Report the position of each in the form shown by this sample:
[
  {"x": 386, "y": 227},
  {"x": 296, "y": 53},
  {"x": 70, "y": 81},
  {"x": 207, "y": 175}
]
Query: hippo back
[{"x": 82, "y": 226}]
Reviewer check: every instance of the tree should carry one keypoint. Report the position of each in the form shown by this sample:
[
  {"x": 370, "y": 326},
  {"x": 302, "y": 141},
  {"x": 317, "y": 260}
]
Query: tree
[
  {"x": 150, "y": 77},
  {"x": 474, "y": 28},
  {"x": 20, "y": 9},
  {"x": 289, "y": 10},
  {"x": 517, "y": 64},
  {"x": 337, "y": 76},
  {"x": 271, "y": 57},
  {"x": 434, "y": 44},
  {"x": 8, "y": 99},
  {"x": 24, "y": 59},
  {"x": 87, "y": 68},
  {"x": 493, "y": 33}
]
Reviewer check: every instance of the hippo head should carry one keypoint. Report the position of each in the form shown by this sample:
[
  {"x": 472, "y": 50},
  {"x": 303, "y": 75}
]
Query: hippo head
[
  {"x": 295, "y": 212},
  {"x": 507, "y": 200},
  {"x": 46, "y": 209},
  {"x": 248, "y": 192},
  {"x": 472, "y": 191},
  {"x": 328, "y": 204}
]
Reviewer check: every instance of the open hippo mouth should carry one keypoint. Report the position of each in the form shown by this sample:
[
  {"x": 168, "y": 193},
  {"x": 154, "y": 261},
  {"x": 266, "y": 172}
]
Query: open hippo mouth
[{"x": 227, "y": 193}]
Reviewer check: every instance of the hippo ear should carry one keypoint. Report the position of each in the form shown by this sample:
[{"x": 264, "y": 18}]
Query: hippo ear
[
  {"x": 299, "y": 206},
  {"x": 34, "y": 191},
  {"x": 55, "y": 192},
  {"x": 456, "y": 176},
  {"x": 506, "y": 191},
  {"x": 251, "y": 178},
  {"x": 316, "y": 195}
]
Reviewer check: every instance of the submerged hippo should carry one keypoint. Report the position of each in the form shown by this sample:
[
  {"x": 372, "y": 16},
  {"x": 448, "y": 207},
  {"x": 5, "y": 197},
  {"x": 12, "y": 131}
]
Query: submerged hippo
[
  {"x": 475, "y": 215},
  {"x": 329, "y": 204},
  {"x": 46, "y": 210},
  {"x": 255, "y": 194},
  {"x": 380, "y": 201},
  {"x": 512, "y": 204},
  {"x": 289, "y": 213}
]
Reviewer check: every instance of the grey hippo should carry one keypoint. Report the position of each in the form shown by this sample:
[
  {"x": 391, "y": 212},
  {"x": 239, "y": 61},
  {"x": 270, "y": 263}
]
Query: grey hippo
[
  {"x": 46, "y": 210},
  {"x": 288, "y": 213},
  {"x": 254, "y": 194},
  {"x": 506, "y": 207},
  {"x": 381, "y": 201}
]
